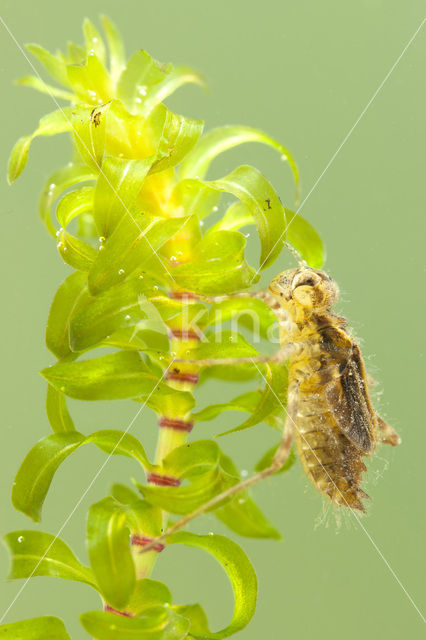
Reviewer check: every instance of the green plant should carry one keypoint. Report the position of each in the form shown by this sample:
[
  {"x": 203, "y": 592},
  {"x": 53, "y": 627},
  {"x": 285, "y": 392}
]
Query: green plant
[{"x": 131, "y": 207}]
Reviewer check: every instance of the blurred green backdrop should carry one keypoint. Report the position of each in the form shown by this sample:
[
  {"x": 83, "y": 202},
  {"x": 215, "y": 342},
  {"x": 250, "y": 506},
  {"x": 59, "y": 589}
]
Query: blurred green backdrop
[{"x": 303, "y": 72}]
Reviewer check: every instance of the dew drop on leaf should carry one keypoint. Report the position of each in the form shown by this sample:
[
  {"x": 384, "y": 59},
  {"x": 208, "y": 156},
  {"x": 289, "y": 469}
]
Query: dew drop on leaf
[
  {"x": 121, "y": 272},
  {"x": 21, "y": 539}
]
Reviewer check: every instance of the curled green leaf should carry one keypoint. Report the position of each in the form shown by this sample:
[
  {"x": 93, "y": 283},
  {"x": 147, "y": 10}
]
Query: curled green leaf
[
  {"x": 157, "y": 623},
  {"x": 256, "y": 192},
  {"x": 57, "y": 183},
  {"x": 117, "y": 56},
  {"x": 57, "y": 411},
  {"x": 54, "y": 65},
  {"x": 305, "y": 239},
  {"x": 36, "y": 553},
  {"x": 217, "y": 265},
  {"x": 118, "y": 375},
  {"x": 177, "y": 78},
  {"x": 240, "y": 573},
  {"x": 35, "y": 629},
  {"x": 221, "y": 139},
  {"x": 36, "y": 472},
  {"x": 109, "y": 551},
  {"x": 34, "y": 82},
  {"x": 55, "y": 122},
  {"x": 66, "y": 300}
]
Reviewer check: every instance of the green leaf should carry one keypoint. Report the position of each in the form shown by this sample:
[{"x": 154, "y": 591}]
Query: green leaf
[
  {"x": 148, "y": 593},
  {"x": 266, "y": 460},
  {"x": 252, "y": 313},
  {"x": 242, "y": 515},
  {"x": 74, "y": 204},
  {"x": 108, "y": 543},
  {"x": 177, "y": 78},
  {"x": 119, "y": 375},
  {"x": 35, "y": 553},
  {"x": 117, "y": 308},
  {"x": 142, "y": 516},
  {"x": 305, "y": 239},
  {"x": 51, "y": 124},
  {"x": 90, "y": 81},
  {"x": 179, "y": 136},
  {"x": 132, "y": 245},
  {"x": 193, "y": 197},
  {"x": 158, "y": 623},
  {"x": 34, "y": 82},
  {"x": 196, "y": 615},
  {"x": 66, "y": 299},
  {"x": 170, "y": 402},
  {"x": 245, "y": 402},
  {"x": 141, "y": 73},
  {"x": 240, "y": 573},
  {"x": 117, "y": 188},
  {"x": 76, "y": 54},
  {"x": 238, "y": 215},
  {"x": 124, "y": 494},
  {"x": 272, "y": 399},
  {"x": 224, "y": 344},
  {"x": 115, "y": 442},
  {"x": 256, "y": 192},
  {"x": 35, "y": 629},
  {"x": 221, "y": 139},
  {"x": 89, "y": 129},
  {"x": 36, "y": 472},
  {"x": 53, "y": 64},
  {"x": 218, "y": 265},
  {"x": 117, "y": 56},
  {"x": 93, "y": 40},
  {"x": 57, "y": 183},
  {"x": 200, "y": 463},
  {"x": 75, "y": 252},
  {"x": 57, "y": 411}
]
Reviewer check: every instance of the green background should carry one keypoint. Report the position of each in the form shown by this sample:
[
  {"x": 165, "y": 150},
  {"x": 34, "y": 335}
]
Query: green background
[{"x": 303, "y": 71}]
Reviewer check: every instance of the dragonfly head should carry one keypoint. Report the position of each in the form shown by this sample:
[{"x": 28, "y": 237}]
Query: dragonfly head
[{"x": 308, "y": 288}]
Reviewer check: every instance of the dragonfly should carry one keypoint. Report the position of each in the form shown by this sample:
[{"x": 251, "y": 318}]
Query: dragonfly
[{"x": 329, "y": 410}]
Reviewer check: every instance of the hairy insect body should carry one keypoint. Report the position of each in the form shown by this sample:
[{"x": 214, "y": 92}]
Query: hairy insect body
[{"x": 329, "y": 408}]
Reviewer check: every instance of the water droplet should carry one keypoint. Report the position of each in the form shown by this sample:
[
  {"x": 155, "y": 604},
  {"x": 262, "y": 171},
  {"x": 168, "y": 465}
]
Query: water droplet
[
  {"x": 101, "y": 239},
  {"x": 101, "y": 247},
  {"x": 211, "y": 533},
  {"x": 201, "y": 223},
  {"x": 121, "y": 272},
  {"x": 58, "y": 233},
  {"x": 241, "y": 501},
  {"x": 60, "y": 244},
  {"x": 173, "y": 259},
  {"x": 21, "y": 539},
  {"x": 215, "y": 209},
  {"x": 247, "y": 235},
  {"x": 127, "y": 317},
  {"x": 141, "y": 277},
  {"x": 244, "y": 473},
  {"x": 142, "y": 90},
  {"x": 64, "y": 248}
]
